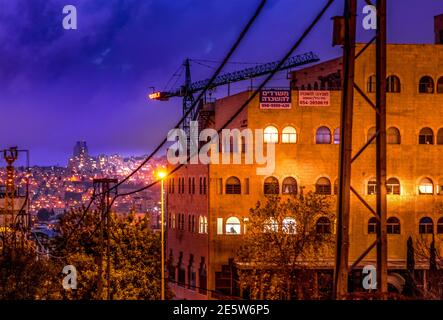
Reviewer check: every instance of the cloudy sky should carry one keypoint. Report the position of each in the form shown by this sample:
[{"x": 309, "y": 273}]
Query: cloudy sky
[{"x": 58, "y": 86}]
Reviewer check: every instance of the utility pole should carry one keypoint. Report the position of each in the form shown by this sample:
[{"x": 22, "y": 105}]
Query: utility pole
[{"x": 102, "y": 187}]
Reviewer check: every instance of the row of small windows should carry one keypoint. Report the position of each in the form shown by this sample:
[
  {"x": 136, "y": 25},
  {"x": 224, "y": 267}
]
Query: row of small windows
[
  {"x": 393, "y": 85},
  {"x": 191, "y": 185},
  {"x": 425, "y": 226},
  {"x": 177, "y": 221}
]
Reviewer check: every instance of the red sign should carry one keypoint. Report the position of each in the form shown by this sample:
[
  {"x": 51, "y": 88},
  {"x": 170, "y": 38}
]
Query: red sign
[{"x": 314, "y": 98}]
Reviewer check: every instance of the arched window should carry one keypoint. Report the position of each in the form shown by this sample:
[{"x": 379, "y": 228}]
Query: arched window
[
  {"x": 233, "y": 186},
  {"x": 372, "y": 84},
  {"x": 372, "y": 225},
  {"x": 289, "y": 186},
  {"x": 309, "y": 86},
  {"x": 302, "y": 87},
  {"x": 315, "y": 85},
  {"x": 372, "y": 187},
  {"x": 323, "y": 186},
  {"x": 271, "y": 186},
  {"x": 426, "y": 136},
  {"x": 203, "y": 224},
  {"x": 440, "y": 187},
  {"x": 323, "y": 225},
  {"x": 393, "y": 225},
  {"x": 393, "y": 186},
  {"x": 426, "y": 186},
  {"x": 289, "y": 135},
  {"x": 426, "y": 85},
  {"x": 426, "y": 226},
  {"x": 323, "y": 136},
  {"x": 393, "y": 84},
  {"x": 393, "y": 136},
  {"x": 270, "y": 135},
  {"x": 271, "y": 225},
  {"x": 440, "y": 226},
  {"x": 337, "y": 136},
  {"x": 440, "y": 136},
  {"x": 233, "y": 226},
  {"x": 371, "y": 133},
  {"x": 440, "y": 85},
  {"x": 289, "y": 225}
]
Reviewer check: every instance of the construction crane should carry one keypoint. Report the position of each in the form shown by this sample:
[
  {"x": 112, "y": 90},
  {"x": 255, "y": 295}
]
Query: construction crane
[{"x": 187, "y": 90}]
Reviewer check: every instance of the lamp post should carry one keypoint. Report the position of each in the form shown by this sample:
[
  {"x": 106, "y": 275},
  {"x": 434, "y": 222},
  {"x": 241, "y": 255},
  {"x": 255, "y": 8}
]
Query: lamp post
[{"x": 161, "y": 176}]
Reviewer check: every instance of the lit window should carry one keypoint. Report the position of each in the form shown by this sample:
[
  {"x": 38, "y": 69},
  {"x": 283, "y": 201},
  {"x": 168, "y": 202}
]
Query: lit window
[
  {"x": 271, "y": 186},
  {"x": 337, "y": 136},
  {"x": 372, "y": 187},
  {"x": 233, "y": 186},
  {"x": 393, "y": 136},
  {"x": 219, "y": 225},
  {"x": 323, "y": 186},
  {"x": 289, "y": 225},
  {"x": 289, "y": 135},
  {"x": 323, "y": 226},
  {"x": 426, "y": 186},
  {"x": 289, "y": 186},
  {"x": 393, "y": 186},
  {"x": 323, "y": 136},
  {"x": 426, "y": 85},
  {"x": 233, "y": 226},
  {"x": 426, "y": 226},
  {"x": 426, "y": 136},
  {"x": 203, "y": 228},
  {"x": 393, "y": 225},
  {"x": 393, "y": 84},
  {"x": 372, "y": 225},
  {"x": 270, "y": 135}
]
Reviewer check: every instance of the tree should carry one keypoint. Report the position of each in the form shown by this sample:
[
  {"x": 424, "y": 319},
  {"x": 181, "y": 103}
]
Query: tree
[{"x": 283, "y": 245}]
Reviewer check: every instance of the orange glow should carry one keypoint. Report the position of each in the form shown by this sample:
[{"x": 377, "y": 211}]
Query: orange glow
[{"x": 155, "y": 95}]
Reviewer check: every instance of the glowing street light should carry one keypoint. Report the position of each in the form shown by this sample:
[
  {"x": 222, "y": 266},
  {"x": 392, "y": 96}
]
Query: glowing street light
[{"x": 161, "y": 175}]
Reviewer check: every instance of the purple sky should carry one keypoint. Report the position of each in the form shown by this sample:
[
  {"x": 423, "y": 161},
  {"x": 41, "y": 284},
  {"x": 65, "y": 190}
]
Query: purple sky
[{"x": 58, "y": 86}]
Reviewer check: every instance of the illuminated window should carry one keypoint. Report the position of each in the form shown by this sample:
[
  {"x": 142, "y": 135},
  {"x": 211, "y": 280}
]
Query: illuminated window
[
  {"x": 289, "y": 225},
  {"x": 393, "y": 136},
  {"x": 371, "y": 133},
  {"x": 203, "y": 224},
  {"x": 323, "y": 136},
  {"x": 393, "y": 225},
  {"x": 426, "y": 85},
  {"x": 337, "y": 136},
  {"x": 372, "y": 225},
  {"x": 426, "y": 136},
  {"x": 426, "y": 186},
  {"x": 323, "y": 186},
  {"x": 233, "y": 186},
  {"x": 393, "y": 186},
  {"x": 271, "y": 186},
  {"x": 440, "y": 226},
  {"x": 426, "y": 226},
  {"x": 289, "y": 186},
  {"x": 219, "y": 225},
  {"x": 323, "y": 226},
  {"x": 233, "y": 226},
  {"x": 393, "y": 84},
  {"x": 372, "y": 82},
  {"x": 440, "y": 85},
  {"x": 270, "y": 135},
  {"x": 289, "y": 135},
  {"x": 271, "y": 225},
  {"x": 372, "y": 187}
]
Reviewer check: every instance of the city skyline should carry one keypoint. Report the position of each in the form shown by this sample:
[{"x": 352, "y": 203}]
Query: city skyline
[{"x": 91, "y": 84}]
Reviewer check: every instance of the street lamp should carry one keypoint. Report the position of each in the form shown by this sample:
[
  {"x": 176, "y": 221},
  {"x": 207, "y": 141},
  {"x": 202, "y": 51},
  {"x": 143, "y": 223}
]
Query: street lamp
[{"x": 161, "y": 175}]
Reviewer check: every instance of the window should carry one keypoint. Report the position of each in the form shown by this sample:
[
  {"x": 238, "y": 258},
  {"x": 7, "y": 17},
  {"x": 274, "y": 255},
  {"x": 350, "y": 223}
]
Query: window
[
  {"x": 426, "y": 226},
  {"x": 371, "y": 133},
  {"x": 393, "y": 136},
  {"x": 372, "y": 187},
  {"x": 315, "y": 85},
  {"x": 288, "y": 225},
  {"x": 219, "y": 225},
  {"x": 393, "y": 186},
  {"x": 200, "y": 185},
  {"x": 440, "y": 85},
  {"x": 246, "y": 184},
  {"x": 189, "y": 185},
  {"x": 203, "y": 224},
  {"x": 393, "y": 225},
  {"x": 393, "y": 84},
  {"x": 440, "y": 187},
  {"x": 440, "y": 136},
  {"x": 323, "y": 186},
  {"x": 173, "y": 226},
  {"x": 426, "y": 85},
  {"x": 336, "y": 186},
  {"x": 193, "y": 185},
  {"x": 372, "y": 225},
  {"x": 271, "y": 186},
  {"x": 204, "y": 185},
  {"x": 440, "y": 226},
  {"x": 271, "y": 225},
  {"x": 289, "y": 135},
  {"x": 426, "y": 136},
  {"x": 426, "y": 186},
  {"x": 289, "y": 186},
  {"x": 323, "y": 136},
  {"x": 323, "y": 226},
  {"x": 270, "y": 135},
  {"x": 233, "y": 226},
  {"x": 337, "y": 136},
  {"x": 372, "y": 84},
  {"x": 233, "y": 185}
]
